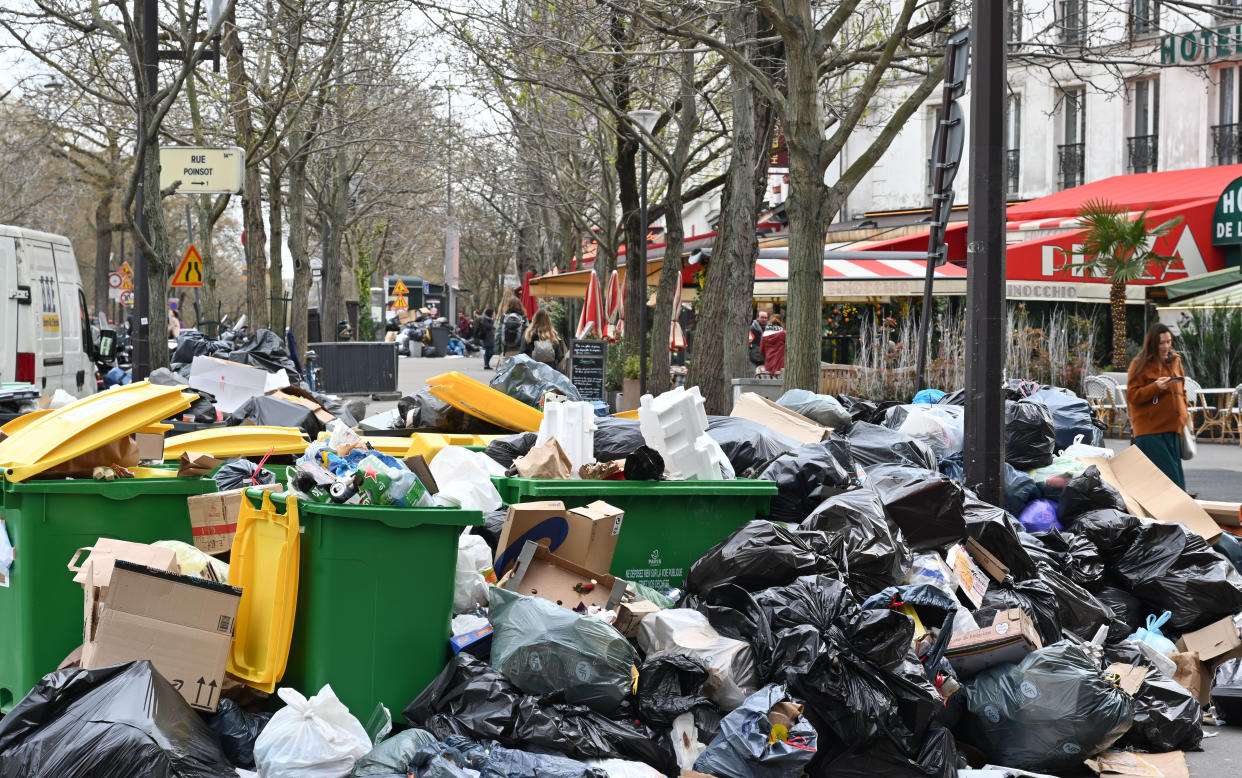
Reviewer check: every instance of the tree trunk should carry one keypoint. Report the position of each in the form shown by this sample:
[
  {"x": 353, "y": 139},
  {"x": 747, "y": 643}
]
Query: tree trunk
[
  {"x": 333, "y": 258},
  {"x": 159, "y": 265},
  {"x": 297, "y": 238},
  {"x": 276, "y": 237},
  {"x": 1117, "y": 302},
  {"x": 252, "y": 181},
  {"x": 658, "y": 380},
  {"x": 207, "y": 211},
  {"x": 103, "y": 247}
]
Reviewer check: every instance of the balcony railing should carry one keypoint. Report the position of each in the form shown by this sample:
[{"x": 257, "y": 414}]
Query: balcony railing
[
  {"x": 1142, "y": 152},
  {"x": 1226, "y": 143},
  {"x": 1012, "y": 168},
  {"x": 1070, "y": 164}
]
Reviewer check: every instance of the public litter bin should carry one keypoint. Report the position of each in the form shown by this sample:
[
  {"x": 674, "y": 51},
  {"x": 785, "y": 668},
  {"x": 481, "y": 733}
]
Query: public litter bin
[
  {"x": 46, "y": 522},
  {"x": 667, "y": 525},
  {"x": 375, "y": 598},
  {"x": 440, "y": 339}
]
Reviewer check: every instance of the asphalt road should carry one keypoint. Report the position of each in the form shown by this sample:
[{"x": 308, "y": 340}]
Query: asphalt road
[{"x": 1215, "y": 474}]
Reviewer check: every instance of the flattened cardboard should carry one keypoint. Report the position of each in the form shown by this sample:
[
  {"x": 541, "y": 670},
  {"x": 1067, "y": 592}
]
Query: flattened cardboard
[
  {"x": 971, "y": 579},
  {"x": 192, "y": 465},
  {"x": 183, "y": 625},
  {"x": 631, "y": 614},
  {"x": 757, "y": 408},
  {"x": 1226, "y": 514},
  {"x": 150, "y": 446},
  {"x": 1129, "y": 677},
  {"x": 1010, "y": 637},
  {"x": 419, "y": 467},
  {"x": 540, "y": 573},
  {"x": 995, "y": 569},
  {"x": 1143, "y": 484},
  {"x": 585, "y": 536},
  {"x": 1213, "y": 644},
  {"x": 96, "y": 569},
  {"x": 213, "y": 517},
  {"x": 232, "y": 383},
  {"x": 298, "y": 397},
  {"x": 1127, "y": 764}
]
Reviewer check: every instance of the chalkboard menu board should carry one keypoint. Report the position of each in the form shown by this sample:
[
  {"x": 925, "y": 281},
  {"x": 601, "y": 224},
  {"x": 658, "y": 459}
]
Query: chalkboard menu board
[{"x": 588, "y": 361}]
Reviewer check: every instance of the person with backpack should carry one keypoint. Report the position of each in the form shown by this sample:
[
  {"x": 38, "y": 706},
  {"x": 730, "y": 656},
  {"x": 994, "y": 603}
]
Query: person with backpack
[
  {"x": 485, "y": 333},
  {"x": 542, "y": 343},
  {"x": 508, "y": 340},
  {"x": 772, "y": 345}
]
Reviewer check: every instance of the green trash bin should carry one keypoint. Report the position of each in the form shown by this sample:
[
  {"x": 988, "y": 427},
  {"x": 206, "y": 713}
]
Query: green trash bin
[
  {"x": 375, "y": 598},
  {"x": 668, "y": 524},
  {"x": 46, "y": 521}
]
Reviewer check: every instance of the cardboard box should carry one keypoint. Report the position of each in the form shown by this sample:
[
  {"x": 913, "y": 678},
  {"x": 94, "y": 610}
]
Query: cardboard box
[
  {"x": 586, "y": 536},
  {"x": 232, "y": 383},
  {"x": 213, "y": 517},
  {"x": 150, "y": 446},
  {"x": 1148, "y": 492},
  {"x": 192, "y": 465},
  {"x": 1010, "y": 637},
  {"x": 477, "y": 643},
  {"x": 971, "y": 580},
  {"x": 631, "y": 614},
  {"x": 183, "y": 625},
  {"x": 96, "y": 569},
  {"x": 1226, "y": 514},
  {"x": 540, "y": 573},
  {"x": 995, "y": 569},
  {"x": 1213, "y": 644},
  {"x": 760, "y": 409}
]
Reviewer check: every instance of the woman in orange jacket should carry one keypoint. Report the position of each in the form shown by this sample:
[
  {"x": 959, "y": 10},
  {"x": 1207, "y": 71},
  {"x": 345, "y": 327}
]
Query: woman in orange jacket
[{"x": 1156, "y": 396}]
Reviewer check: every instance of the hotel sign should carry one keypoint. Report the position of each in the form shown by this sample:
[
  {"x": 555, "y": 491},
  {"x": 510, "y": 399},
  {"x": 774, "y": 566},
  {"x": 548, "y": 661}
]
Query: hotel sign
[{"x": 1201, "y": 46}]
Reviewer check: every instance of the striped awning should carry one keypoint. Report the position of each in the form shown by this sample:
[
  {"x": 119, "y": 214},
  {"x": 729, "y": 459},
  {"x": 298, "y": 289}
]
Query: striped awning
[{"x": 860, "y": 269}]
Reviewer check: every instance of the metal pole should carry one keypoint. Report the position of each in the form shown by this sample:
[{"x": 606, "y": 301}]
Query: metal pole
[
  {"x": 642, "y": 286},
  {"x": 450, "y": 229},
  {"x": 985, "y": 250},
  {"x": 142, "y": 306}
]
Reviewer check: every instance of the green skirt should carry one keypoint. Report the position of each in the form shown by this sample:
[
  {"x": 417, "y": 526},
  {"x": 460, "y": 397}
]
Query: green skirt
[{"x": 1165, "y": 450}]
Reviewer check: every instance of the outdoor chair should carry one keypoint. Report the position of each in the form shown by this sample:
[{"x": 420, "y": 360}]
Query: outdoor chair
[{"x": 1121, "y": 413}]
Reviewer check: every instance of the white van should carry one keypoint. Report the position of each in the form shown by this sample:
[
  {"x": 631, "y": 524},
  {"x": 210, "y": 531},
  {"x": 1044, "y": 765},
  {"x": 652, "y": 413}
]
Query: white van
[{"x": 45, "y": 336}]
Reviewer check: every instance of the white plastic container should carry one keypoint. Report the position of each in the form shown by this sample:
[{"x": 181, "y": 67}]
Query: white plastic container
[
  {"x": 675, "y": 424},
  {"x": 573, "y": 426}
]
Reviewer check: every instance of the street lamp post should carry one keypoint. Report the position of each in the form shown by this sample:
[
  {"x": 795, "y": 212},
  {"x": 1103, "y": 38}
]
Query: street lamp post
[{"x": 646, "y": 119}]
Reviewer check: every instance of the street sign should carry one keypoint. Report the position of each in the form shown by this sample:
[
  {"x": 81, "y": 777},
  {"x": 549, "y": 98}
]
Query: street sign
[
  {"x": 114, "y": 294},
  {"x": 202, "y": 170},
  {"x": 127, "y": 298},
  {"x": 125, "y": 269},
  {"x": 401, "y": 304},
  {"x": 114, "y": 280},
  {"x": 190, "y": 271},
  {"x": 127, "y": 283},
  {"x": 426, "y": 287},
  {"x": 400, "y": 289}
]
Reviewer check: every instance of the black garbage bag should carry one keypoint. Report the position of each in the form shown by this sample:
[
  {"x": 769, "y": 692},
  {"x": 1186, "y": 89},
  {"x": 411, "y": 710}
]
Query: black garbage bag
[
  {"x": 872, "y": 444},
  {"x": 493, "y": 524},
  {"x": 865, "y": 410},
  {"x": 275, "y": 412},
  {"x": 241, "y": 472},
  {"x": 931, "y": 603},
  {"x": 1166, "y": 566},
  {"x": 668, "y": 686},
  {"x": 192, "y": 343},
  {"x": 936, "y": 759},
  {"x": 810, "y": 475},
  {"x": 1079, "y": 611},
  {"x": 580, "y": 733},
  {"x": 201, "y": 410},
  {"x": 1047, "y": 713},
  {"x": 616, "y": 438},
  {"x": 1125, "y": 607},
  {"x": 927, "y": 506},
  {"x": 1071, "y": 417},
  {"x": 424, "y": 411},
  {"x": 393, "y": 755},
  {"x": 747, "y": 444},
  {"x": 505, "y": 450},
  {"x": 339, "y": 408},
  {"x": 1000, "y": 534},
  {"x": 644, "y": 464},
  {"x": 734, "y": 613},
  {"x": 956, "y": 397},
  {"x": 237, "y": 730},
  {"x": 744, "y": 746},
  {"x": 1020, "y": 488},
  {"x": 469, "y": 698},
  {"x": 1087, "y": 491},
  {"x": 522, "y": 378},
  {"x": 1075, "y": 556},
  {"x": 266, "y": 350},
  {"x": 819, "y": 408},
  {"x": 115, "y": 722},
  {"x": 1167, "y": 717},
  {"x": 1035, "y": 598},
  {"x": 757, "y": 555},
  {"x": 1030, "y": 438},
  {"x": 875, "y": 551}
]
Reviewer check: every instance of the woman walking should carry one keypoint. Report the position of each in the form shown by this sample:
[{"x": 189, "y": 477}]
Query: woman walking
[
  {"x": 1156, "y": 397},
  {"x": 541, "y": 341}
]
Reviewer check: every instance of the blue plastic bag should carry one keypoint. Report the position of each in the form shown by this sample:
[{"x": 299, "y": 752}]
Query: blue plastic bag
[
  {"x": 928, "y": 396},
  {"x": 742, "y": 746},
  {"x": 1040, "y": 516},
  {"x": 1152, "y": 636}
]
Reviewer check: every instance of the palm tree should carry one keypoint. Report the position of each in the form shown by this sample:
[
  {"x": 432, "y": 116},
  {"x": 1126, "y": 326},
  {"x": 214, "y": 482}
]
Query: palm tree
[{"x": 1121, "y": 249}]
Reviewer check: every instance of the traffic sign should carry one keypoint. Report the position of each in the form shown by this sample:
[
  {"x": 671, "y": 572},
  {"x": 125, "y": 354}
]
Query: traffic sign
[
  {"x": 127, "y": 283},
  {"x": 114, "y": 280},
  {"x": 190, "y": 271},
  {"x": 202, "y": 170},
  {"x": 401, "y": 304},
  {"x": 127, "y": 298},
  {"x": 125, "y": 269},
  {"x": 400, "y": 289}
]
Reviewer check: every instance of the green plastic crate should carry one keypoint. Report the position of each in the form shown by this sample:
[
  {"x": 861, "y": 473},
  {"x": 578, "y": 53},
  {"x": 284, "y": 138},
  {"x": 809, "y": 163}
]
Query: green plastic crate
[
  {"x": 668, "y": 524},
  {"x": 47, "y": 521},
  {"x": 375, "y": 598}
]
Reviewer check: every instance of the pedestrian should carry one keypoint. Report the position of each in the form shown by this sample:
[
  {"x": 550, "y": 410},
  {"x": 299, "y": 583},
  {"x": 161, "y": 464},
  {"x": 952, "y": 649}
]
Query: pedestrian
[
  {"x": 756, "y": 337},
  {"x": 463, "y": 325},
  {"x": 174, "y": 324},
  {"x": 484, "y": 331},
  {"x": 1156, "y": 398},
  {"x": 508, "y": 338},
  {"x": 542, "y": 342},
  {"x": 772, "y": 345}
]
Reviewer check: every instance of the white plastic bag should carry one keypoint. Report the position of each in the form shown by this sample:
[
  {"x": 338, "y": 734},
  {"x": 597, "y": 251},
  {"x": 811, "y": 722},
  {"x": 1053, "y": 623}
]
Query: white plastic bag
[
  {"x": 474, "y": 562},
  {"x": 684, "y": 631},
  {"x": 1078, "y": 449},
  {"x": 192, "y": 561},
  {"x": 619, "y": 768},
  {"x": 315, "y": 738},
  {"x": 464, "y": 480}
]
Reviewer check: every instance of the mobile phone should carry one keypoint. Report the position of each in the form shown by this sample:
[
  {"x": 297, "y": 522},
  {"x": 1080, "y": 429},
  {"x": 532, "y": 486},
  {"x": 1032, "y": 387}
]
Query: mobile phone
[{"x": 1179, "y": 378}]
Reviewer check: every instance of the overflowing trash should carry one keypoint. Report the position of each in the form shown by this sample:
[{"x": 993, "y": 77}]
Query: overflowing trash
[{"x": 572, "y": 608}]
